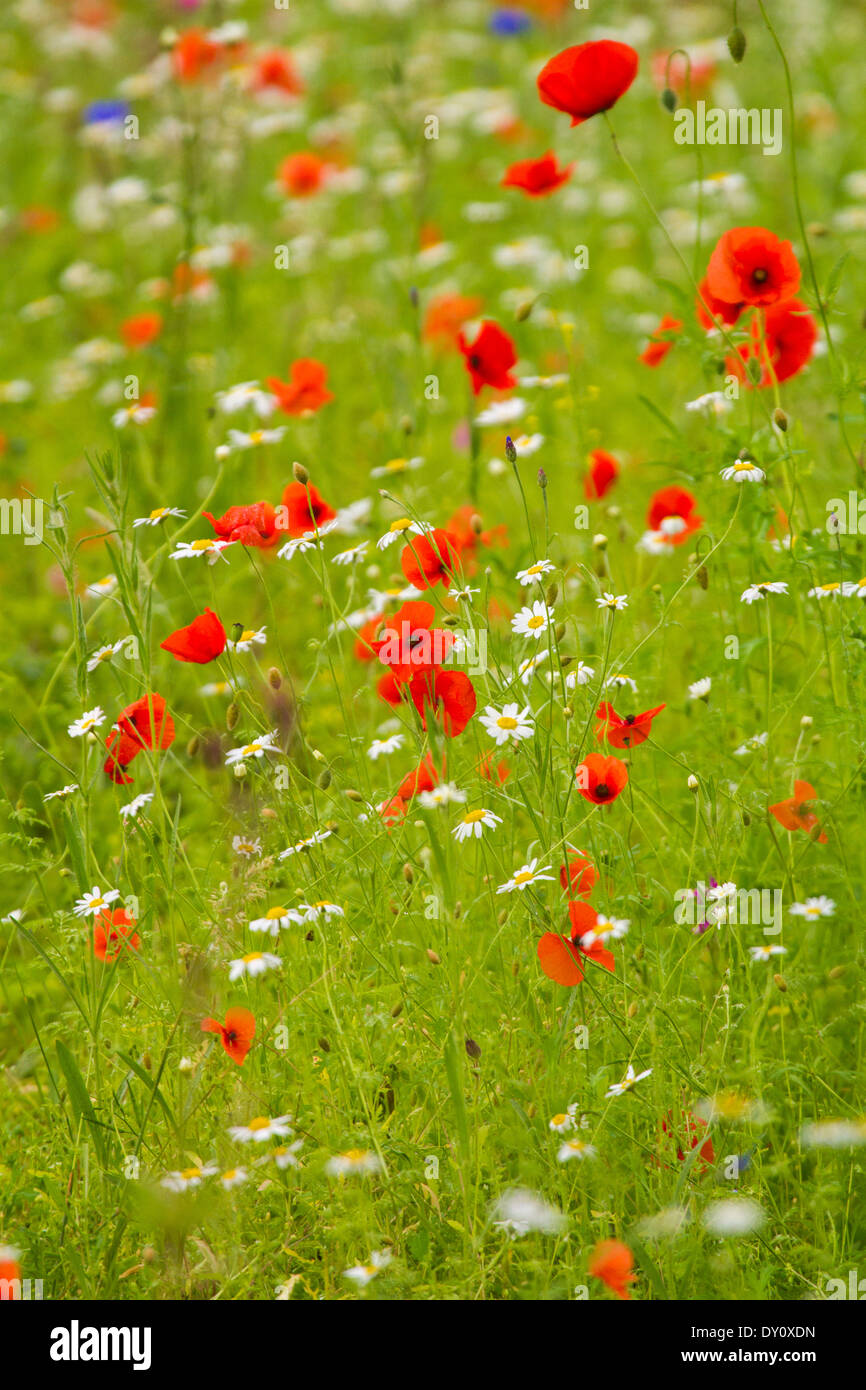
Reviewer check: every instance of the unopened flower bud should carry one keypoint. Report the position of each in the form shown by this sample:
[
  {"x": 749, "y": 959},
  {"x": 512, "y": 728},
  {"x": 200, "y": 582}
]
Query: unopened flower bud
[
  {"x": 432, "y": 957},
  {"x": 737, "y": 44},
  {"x": 669, "y": 100},
  {"x": 542, "y": 479},
  {"x": 510, "y": 451},
  {"x": 780, "y": 420},
  {"x": 806, "y": 721},
  {"x": 193, "y": 746},
  {"x": 300, "y": 473},
  {"x": 233, "y": 714},
  {"x": 324, "y": 779},
  {"x": 275, "y": 679},
  {"x": 780, "y": 982},
  {"x": 599, "y": 541},
  {"x": 352, "y": 794},
  {"x": 693, "y": 783}
]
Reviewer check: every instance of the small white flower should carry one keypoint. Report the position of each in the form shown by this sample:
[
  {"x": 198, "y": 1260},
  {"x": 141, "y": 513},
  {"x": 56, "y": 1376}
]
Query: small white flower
[
  {"x": 522, "y": 877},
  {"x": 834, "y": 1134},
  {"x": 743, "y": 471},
  {"x": 396, "y": 467},
  {"x": 527, "y": 669},
  {"x": 758, "y": 591},
  {"x": 581, "y": 675},
  {"x": 832, "y": 590},
  {"x": 286, "y": 1155},
  {"x": 207, "y": 547},
  {"x": 103, "y": 654},
  {"x": 313, "y": 912},
  {"x": 813, "y": 908},
  {"x": 613, "y": 601},
  {"x": 265, "y": 743},
  {"x": 474, "y": 823},
  {"x": 713, "y": 404},
  {"x": 508, "y": 723},
  {"x": 621, "y": 682},
  {"x": 519, "y": 1211},
  {"x": 259, "y": 1130},
  {"x": 605, "y": 929},
  {"x": 362, "y": 1274},
  {"x": 575, "y": 1148},
  {"x": 620, "y": 1088},
  {"x": 354, "y": 556},
  {"x": 188, "y": 1177},
  {"x": 246, "y": 393},
  {"x": 535, "y": 572},
  {"x": 133, "y": 808},
  {"x": 249, "y": 638},
  {"x": 87, "y": 722},
  {"x": 766, "y": 952},
  {"x": 400, "y": 530},
  {"x": 253, "y": 963},
  {"x": 751, "y": 745},
  {"x": 158, "y": 515},
  {"x": 381, "y": 747},
  {"x": 317, "y": 838},
  {"x": 62, "y": 793},
  {"x": 733, "y": 1216},
  {"x": 699, "y": 690},
  {"x": 233, "y": 1177},
  {"x": 91, "y": 904},
  {"x": 442, "y": 795},
  {"x": 532, "y": 621},
  {"x": 102, "y": 588},
  {"x": 275, "y": 920},
  {"x": 246, "y": 847},
  {"x": 352, "y": 1161},
  {"x": 565, "y": 1122}
]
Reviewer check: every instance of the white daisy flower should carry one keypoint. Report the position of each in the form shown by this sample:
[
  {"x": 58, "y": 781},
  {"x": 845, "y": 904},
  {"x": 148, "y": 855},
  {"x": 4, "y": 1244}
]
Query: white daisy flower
[
  {"x": 743, "y": 471},
  {"x": 813, "y": 908},
  {"x": 207, "y": 547},
  {"x": 532, "y": 621},
  {"x": 246, "y": 847},
  {"x": 275, "y": 920},
  {"x": 265, "y": 743},
  {"x": 214, "y": 688},
  {"x": 509, "y": 723},
  {"x": 136, "y": 413},
  {"x": 362, "y": 1274},
  {"x": 519, "y": 1211},
  {"x": 502, "y": 412},
  {"x": 246, "y": 394},
  {"x": 834, "y": 1134},
  {"x": 832, "y": 590},
  {"x": 133, "y": 808},
  {"x": 621, "y": 1088},
  {"x": 395, "y": 467},
  {"x": 527, "y": 444},
  {"x": 400, "y": 530},
  {"x": 86, "y": 723},
  {"x": 239, "y": 440},
  {"x": 733, "y": 1216},
  {"x": 62, "y": 793},
  {"x": 91, "y": 904},
  {"x": 381, "y": 747},
  {"x": 474, "y": 823},
  {"x": 103, "y": 654},
  {"x": 313, "y": 912},
  {"x": 564, "y": 1123},
  {"x": 442, "y": 795},
  {"x": 317, "y": 838},
  {"x": 248, "y": 639},
  {"x": 527, "y": 669},
  {"x": 854, "y": 588},
  {"x": 354, "y": 556},
  {"x": 614, "y": 601},
  {"x": 353, "y": 1161},
  {"x": 102, "y": 588},
  {"x": 621, "y": 682},
  {"x": 259, "y": 1130},
  {"x": 605, "y": 929},
  {"x": 766, "y": 952},
  {"x": 758, "y": 591},
  {"x": 254, "y": 963},
  {"x": 183, "y": 1180},
  {"x": 286, "y": 1155},
  {"x": 713, "y": 404},
  {"x": 233, "y": 1177},
  {"x": 522, "y": 877},
  {"x": 699, "y": 690},
  {"x": 575, "y": 1148},
  {"x": 581, "y": 675},
  {"x": 158, "y": 515},
  {"x": 751, "y": 745},
  {"x": 537, "y": 571}
]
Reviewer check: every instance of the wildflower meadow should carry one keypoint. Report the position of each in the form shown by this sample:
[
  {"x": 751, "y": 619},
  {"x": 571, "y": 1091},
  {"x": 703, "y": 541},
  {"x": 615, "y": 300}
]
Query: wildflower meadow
[{"x": 431, "y": 440}]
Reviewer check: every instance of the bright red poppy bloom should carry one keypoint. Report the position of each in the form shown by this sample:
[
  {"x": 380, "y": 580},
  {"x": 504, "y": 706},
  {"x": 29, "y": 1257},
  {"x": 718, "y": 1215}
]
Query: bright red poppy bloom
[
  {"x": 690, "y": 1132},
  {"x": 752, "y": 266},
  {"x": 275, "y": 71},
  {"x": 449, "y": 694},
  {"x": 798, "y": 812},
  {"x": 254, "y": 524},
  {"x": 446, "y": 315},
  {"x": 790, "y": 334},
  {"x": 613, "y": 1263},
  {"x": 562, "y": 958},
  {"x": 304, "y": 509},
  {"x": 392, "y": 691},
  {"x": 203, "y": 640},
  {"x": 625, "y": 732},
  {"x": 141, "y": 329},
  {"x": 430, "y": 558},
  {"x": 489, "y": 358},
  {"x": 113, "y": 932},
  {"x": 661, "y": 341},
  {"x": 302, "y": 174},
  {"x": 407, "y": 642},
  {"x": 236, "y": 1034},
  {"x": 672, "y": 512},
  {"x": 304, "y": 393},
  {"x": 578, "y": 875},
  {"x": 537, "y": 177},
  {"x": 603, "y": 473},
  {"x": 363, "y": 648},
  {"x": 587, "y": 79},
  {"x": 145, "y": 723},
  {"x": 424, "y": 778},
  {"x": 194, "y": 55},
  {"x": 600, "y": 779},
  {"x": 10, "y": 1270},
  {"x": 393, "y": 811},
  {"x": 719, "y": 311}
]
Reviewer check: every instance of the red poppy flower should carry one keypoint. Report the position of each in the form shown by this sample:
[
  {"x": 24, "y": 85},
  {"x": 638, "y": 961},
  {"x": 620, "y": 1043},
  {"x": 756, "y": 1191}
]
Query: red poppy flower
[
  {"x": 537, "y": 177},
  {"x": 499, "y": 773},
  {"x": 489, "y": 358},
  {"x": 446, "y": 315},
  {"x": 613, "y": 1263},
  {"x": 254, "y": 524},
  {"x": 690, "y": 1132},
  {"x": 113, "y": 932},
  {"x": 203, "y": 640},
  {"x": 274, "y": 71},
  {"x": 363, "y": 648},
  {"x": 10, "y": 1270},
  {"x": 391, "y": 690},
  {"x": 603, "y": 473},
  {"x": 719, "y": 311},
  {"x": 145, "y": 723},
  {"x": 304, "y": 393},
  {"x": 424, "y": 778},
  {"x": 560, "y": 959},
  {"x": 588, "y": 79},
  {"x": 578, "y": 875},
  {"x": 752, "y": 266},
  {"x": 627, "y": 732},
  {"x": 790, "y": 334},
  {"x": 194, "y": 55},
  {"x": 303, "y": 509},
  {"x": 141, "y": 329},
  {"x": 661, "y": 342},
  {"x": 798, "y": 812},
  {"x": 393, "y": 811},
  {"x": 236, "y": 1034},
  {"x": 430, "y": 558},
  {"x": 600, "y": 779},
  {"x": 302, "y": 174},
  {"x": 449, "y": 694},
  {"x": 408, "y": 644},
  {"x": 672, "y": 511}
]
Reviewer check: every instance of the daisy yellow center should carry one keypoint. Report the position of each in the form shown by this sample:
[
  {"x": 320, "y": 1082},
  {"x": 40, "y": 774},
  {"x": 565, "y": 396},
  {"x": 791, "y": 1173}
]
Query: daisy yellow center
[
  {"x": 201, "y": 545},
  {"x": 232, "y": 1173},
  {"x": 260, "y": 1122},
  {"x": 191, "y": 1173},
  {"x": 98, "y": 902},
  {"x": 505, "y": 721},
  {"x": 395, "y": 466},
  {"x": 402, "y": 524},
  {"x": 354, "y": 1155},
  {"x": 524, "y": 876},
  {"x": 274, "y": 913},
  {"x": 559, "y": 1119},
  {"x": 257, "y": 436},
  {"x": 247, "y": 635},
  {"x": 103, "y": 656},
  {"x": 252, "y": 748},
  {"x": 157, "y": 513},
  {"x": 830, "y": 588},
  {"x": 253, "y": 955},
  {"x": 535, "y": 622},
  {"x": 472, "y": 817},
  {"x": 813, "y": 912},
  {"x": 743, "y": 466},
  {"x": 535, "y": 569}
]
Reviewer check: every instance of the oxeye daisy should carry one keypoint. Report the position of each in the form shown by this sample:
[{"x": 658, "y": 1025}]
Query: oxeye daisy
[
  {"x": 394, "y": 468},
  {"x": 766, "y": 952},
  {"x": 743, "y": 471},
  {"x": 91, "y": 904},
  {"x": 520, "y": 1211},
  {"x": 713, "y": 404},
  {"x": 216, "y": 688},
  {"x": 621, "y": 682},
  {"x": 286, "y": 1155},
  {"x": 474, "y": 823},
  {"x": 87, "y": 722},
  {"x": 353, "y": 556},
  {"x": 254, "y": 963},
  {"x": 239, "y": 440},
  {"x": 532, "y": 621},
  {"x": 264, "y": 743},
  {"x": 275, "y": 920},
  {"x": 381, "y": 747},
  {"x": 185, "y": 1178},
  {"x": 323, "y": 909},
  {"x": 620, "y": 1088},
  {"x": 133, "y": 809},
  {"x": 581, "y": 675},
  {"x": 250, "y": 637},
  {"x": 509, "y": 723},
  {"x": 854, "y": 588},
  {"x": 831, "y": 590},
  {"x": 103, "y": 654},
  {"x": 536, "y": 571},
  {"x": 442, "y": 795},
  {"x": 564, "y": 1122},
  {"x": 616, "y": 602},
  {"x": 699, "y": 690},
  {"x": 813, "y": 908},
  {"x": 102, "y": 588},
  {"x": 245, "y": 394},
  {"x": 605, "y": 929},
  {"x": 244, "y": 846},
  {"x": 399, "y": 530},
  {"x": 751, "y": 745},
  {"x": 62, "y": 793},
  {"x": 575, "y": 1148},
  {"x": 342, "y": 1165},
  {"x": 206, "y": 547},
  {"x": 362, "y": 1274},
  {"x": 317, "y": 838},
  {"x": 524, "y": 876},
  {"x": 759, "y": 591},
  {"x": 158, "y": 515},
  {"x": 136, "y": 413},
  {"x": 261, "y": 1129}
]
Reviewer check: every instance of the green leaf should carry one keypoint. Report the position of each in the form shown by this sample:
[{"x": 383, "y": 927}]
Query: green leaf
[{"x": 79, "y": 1099}]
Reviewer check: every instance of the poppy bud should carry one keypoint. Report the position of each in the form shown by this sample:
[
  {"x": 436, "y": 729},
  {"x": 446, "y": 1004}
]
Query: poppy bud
[
  {"x": 300, "y": 474},
  {"x": 816, "y": 738},
  {"x": 837, "y": 972},
  {"x": 192, "y": 746},
  {"x": 406, "y": 424},
  {"x": 632, "y": 1009},
  {"x": 397, "y": 1010},
  {"x": 559, "y": 631},
  {"x": 780, "y": 982},
  {"x": 148, "y": 1254},
  {"x": 275, "y": 679},
  {"x": 476, "y": 524},
  {"x": 510, "y": 451},
  {"x": 147, "y": 1061},
  {"x": 502, "y": 918},
  {"x": 754, "y": 371},
  {"x": 703, "y": 577},
  {"x": 413, "y": 296},
  {"x": 747, "y": 819},
  {"x": 269, "y": 813},
  {"x": 432, "y": 957},
  {"x": 395, "y": 911},
  {"x": 669, "y": 100},
  {"x": 233, "y": 714},
  {"x": 737, "y": 44},
  {"x": 458, "y": 911},
  {"x": 780, "y": 420},
  {"x": 524, "y": 310},
  {"x": 472, "y": 1049},
  {"x": 552, "y": 595},
  {"x": 324, "y": 779},
  {"x": 324, "y": 1044},
  {"x": 352, "y": 794},
  {"x": 452, "y": 620},
  {"x": 567, "y": 712},
  {"x": 408, "y": 873}
]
